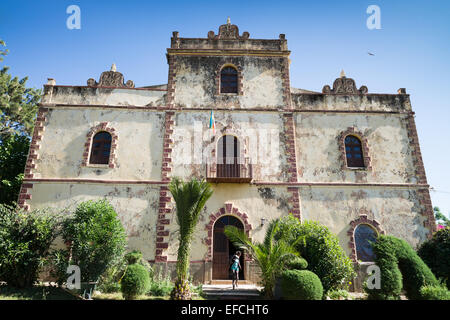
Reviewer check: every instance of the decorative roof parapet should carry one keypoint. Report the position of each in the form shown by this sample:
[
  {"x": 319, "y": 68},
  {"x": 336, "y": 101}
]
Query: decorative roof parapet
[
  {"x": 228, "y": 32},
  {"x": 344, "y": 85},
  {"x": 111, "y": 78}
]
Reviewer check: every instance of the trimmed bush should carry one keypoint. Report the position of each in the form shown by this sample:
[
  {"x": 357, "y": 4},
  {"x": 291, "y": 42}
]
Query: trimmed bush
[
  {"x": 297, "y": 263},
  {"x": 25, "y": 240},
  {"x": 97, "y": 238},
  {"x": 301, "y": 285},
  {"x": 133, "y": 257},
  {"x": 135, "y": 281},
  {"x": 434, "y": 293},
  {"x": 321, "y": 249},
  {"x": 391, "y": 280},
  {"x": 436, "y": 254},
  {"x": 109, "y": 281},
  {"x": 400, "y": 267}
]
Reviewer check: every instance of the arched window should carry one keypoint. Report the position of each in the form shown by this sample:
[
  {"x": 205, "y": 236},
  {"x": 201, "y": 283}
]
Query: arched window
[
  {"x": 353, "y": 152},
  {"x": 364, "y": 234},
  {"x": 228, "y": 80},
  {"x": 228, "y": 154},
  {"x": 101, "y": 148}
]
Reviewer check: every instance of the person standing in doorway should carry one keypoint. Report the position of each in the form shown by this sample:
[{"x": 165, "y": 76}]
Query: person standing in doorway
[{"x": 235, "y": 267}]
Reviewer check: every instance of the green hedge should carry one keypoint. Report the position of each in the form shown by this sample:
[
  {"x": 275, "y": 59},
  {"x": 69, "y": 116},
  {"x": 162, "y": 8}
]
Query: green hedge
[
  {"x": 401, "y": 268},
  {"x": 436, "y": 254},
  {"x": 301, "y": 285},
  {"x": 321, "y": 249},
  {"x": 133, "y": 257},
  {"x": 297, "y": 263},
  {"x": 434, "y": 293},
  {"x": 136, "y": 281}
]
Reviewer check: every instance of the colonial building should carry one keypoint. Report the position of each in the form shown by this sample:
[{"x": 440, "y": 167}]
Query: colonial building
[{"x": 345, "y": 157}]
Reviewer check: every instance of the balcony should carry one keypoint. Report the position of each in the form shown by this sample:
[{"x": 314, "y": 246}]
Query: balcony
[{"x": 231, "y": 170}]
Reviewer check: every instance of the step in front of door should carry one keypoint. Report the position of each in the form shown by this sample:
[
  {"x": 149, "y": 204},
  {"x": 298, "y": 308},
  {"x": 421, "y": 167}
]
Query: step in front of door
[{"x": 229, "y": 282}]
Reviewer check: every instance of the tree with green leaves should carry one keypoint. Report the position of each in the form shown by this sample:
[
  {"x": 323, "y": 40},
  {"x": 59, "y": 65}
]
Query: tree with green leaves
[
  {"x": 440, "y": 217},
  {"x": 190, "y": 198},
  {"x": 271, "y": 255},
  {"x": 26, "y": 240},
  {"x": 18, "y": 103},
  {"x": 96, "y": 239},
  {"x": 18, "y": 108},
  {"x": 13, "y": 156}
]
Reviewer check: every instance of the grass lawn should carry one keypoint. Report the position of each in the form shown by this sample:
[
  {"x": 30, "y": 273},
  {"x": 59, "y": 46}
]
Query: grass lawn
[
  {"x": 35, "y": 293},
  {"x": 118, "y": 296}
]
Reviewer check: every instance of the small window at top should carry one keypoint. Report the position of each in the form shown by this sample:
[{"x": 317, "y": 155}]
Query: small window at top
[
  {"x": 353, "y": 152},
  {"x": 229, "y": 80}
]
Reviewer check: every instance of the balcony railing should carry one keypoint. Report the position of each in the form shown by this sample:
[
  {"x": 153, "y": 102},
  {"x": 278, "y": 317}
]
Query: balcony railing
[{"x": 231, "y": 170}]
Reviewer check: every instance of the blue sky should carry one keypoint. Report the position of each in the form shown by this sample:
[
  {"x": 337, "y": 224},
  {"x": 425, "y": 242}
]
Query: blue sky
[{"x": 412, "y": 49}]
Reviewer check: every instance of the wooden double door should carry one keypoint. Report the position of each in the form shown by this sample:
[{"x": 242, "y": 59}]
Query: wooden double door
[{"x": 223, "y": 249}]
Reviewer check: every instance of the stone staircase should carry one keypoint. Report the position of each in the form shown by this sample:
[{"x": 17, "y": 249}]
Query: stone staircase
[{"x": 223, "y": 290}]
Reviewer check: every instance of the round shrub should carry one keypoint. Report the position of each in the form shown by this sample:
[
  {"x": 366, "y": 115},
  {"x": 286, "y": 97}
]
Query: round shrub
[
  {"x": 436, "y": 254},
  {"x": 301, "y": 285},
  {"x": 398, "y": 261},
  {"x": 135, "y": 256},
  {"x": 135, "y": 281},
  {"x": 297, "y": 263},
  {"x": 320, "y": 247}
]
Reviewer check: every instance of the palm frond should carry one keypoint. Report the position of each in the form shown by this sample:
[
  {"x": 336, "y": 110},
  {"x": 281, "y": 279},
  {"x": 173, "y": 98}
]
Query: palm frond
[
  {"x": 271, "y": 255},
  {"x": 239, "y": 238}
]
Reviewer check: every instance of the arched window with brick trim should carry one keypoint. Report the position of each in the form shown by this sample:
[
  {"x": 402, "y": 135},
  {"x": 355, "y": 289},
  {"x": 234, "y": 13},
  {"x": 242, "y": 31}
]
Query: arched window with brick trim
[
  {"x": 354, "y": 152},
  {"x": 229, "y": 80},
  {"x": 364, "y": 235},
  {"x": 101, "y": 148}
]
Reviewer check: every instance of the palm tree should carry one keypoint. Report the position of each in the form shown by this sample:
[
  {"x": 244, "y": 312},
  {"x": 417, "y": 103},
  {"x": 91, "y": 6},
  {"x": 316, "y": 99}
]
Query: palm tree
[
  {"x": 190, "y": 198},
  {"x": 270, "y": 255}
]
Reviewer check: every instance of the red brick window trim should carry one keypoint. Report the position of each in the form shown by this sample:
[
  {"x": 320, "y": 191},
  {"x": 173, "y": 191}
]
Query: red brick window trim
[
  {"x": 352, "y": 131},
  {"x": 102, "y": 127},
  {"x": 218, "y": 78},
  {"x": 375, "y": 225}
]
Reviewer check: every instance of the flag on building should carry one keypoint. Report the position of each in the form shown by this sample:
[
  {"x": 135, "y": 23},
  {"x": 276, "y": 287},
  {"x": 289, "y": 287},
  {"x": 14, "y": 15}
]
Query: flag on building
[{"x": 212, "y": 123}]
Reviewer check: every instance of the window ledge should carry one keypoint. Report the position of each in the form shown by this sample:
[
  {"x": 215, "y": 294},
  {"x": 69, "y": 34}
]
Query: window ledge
[
  {"x": 357, "y": 168},
  {"x": 101, "y": 166},
  {"x": 228, "y": 94},
  {"x": 365, "y": 263}
]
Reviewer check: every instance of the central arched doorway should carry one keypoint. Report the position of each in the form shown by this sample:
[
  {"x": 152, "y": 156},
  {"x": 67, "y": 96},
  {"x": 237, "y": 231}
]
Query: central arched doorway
[{"x": 223, "y": 249}]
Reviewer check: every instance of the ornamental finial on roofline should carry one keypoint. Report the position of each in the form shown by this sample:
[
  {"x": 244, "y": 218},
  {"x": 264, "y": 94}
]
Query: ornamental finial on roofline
[
  {"x": 344, "y": 85},
  {"x": 228, "y": 31},
  {"x": 111, "y": 78}
]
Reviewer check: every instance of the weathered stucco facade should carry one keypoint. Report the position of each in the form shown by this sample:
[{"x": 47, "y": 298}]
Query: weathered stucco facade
[{"x": 290, "y": 144}]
